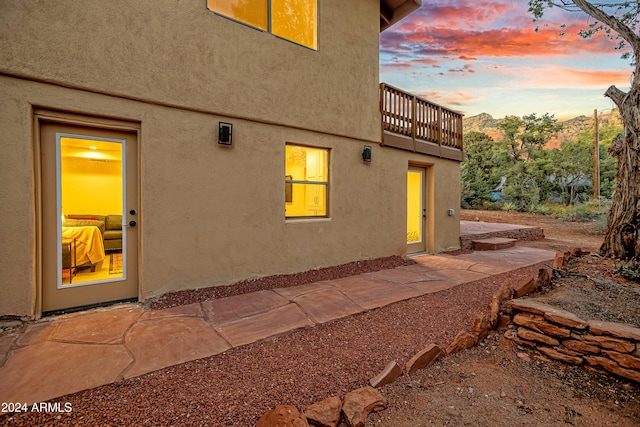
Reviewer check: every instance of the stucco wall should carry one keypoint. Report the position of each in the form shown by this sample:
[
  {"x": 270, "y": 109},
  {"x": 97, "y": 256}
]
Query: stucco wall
[
  {"x": 210, "y": 215},
  {"x": 180, "y": 53}
]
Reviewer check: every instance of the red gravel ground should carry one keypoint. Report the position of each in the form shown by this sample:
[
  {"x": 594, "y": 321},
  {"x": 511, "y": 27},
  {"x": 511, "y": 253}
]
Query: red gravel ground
[{"x": 494, "y": 384}]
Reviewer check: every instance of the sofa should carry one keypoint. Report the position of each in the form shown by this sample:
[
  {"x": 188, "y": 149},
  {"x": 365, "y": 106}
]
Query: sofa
[{"x": 110, "y": 227}]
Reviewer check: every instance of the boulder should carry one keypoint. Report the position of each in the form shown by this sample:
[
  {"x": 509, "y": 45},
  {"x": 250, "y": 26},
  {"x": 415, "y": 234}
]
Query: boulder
[
  {"x": 481, "y": 327},
  {"x": 560, "y": 261},
  {"x": 282, "y": 416},
  {"x": 325, "y": 413},
  {"x": 462, "y": 341},
  {"x": 424, "y": 358},
  {"x": 358, "y": 404},
  {"x": 389, "y": 374}
]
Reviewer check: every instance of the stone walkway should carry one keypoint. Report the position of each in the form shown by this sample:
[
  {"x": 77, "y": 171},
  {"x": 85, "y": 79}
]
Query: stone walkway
[{"x": 65, "y": 354}]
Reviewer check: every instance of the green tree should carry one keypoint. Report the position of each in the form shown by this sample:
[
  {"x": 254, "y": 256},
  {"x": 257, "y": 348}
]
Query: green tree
[
  {"x": 619, "y": 21},
  {"x": 530, "y": 168},
  {"x": 573, "y": 169},
  {"x": 483, "y": 168}
]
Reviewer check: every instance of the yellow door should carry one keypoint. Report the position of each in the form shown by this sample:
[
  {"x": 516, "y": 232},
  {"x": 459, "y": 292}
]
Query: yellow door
[
  {"x": 89, "y": 216},
  {"x": 416, "y": 210}
]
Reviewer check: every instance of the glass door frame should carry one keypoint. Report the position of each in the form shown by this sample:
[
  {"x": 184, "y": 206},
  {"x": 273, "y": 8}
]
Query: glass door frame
[{"x": 123, "y": 181}]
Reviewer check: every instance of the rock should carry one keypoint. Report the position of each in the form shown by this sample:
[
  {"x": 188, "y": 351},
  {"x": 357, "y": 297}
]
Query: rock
[
  {"x": 388, "y": 375},
  {"x": 501, "y": 295},
  {"x": 565, "y": 318},
  {"x": 537, "y": 323},
  {"x": 529, "y": 335},
  {"x": 553, "y": 354},
  {"x": 624, "y": 360},
  {"x": 526, "y": 287},
  {"x": 530, "y": 306},
  {"x": 503, "y": 394},
  {"x": 325, "y": 413},
  {"x": 613, "y": 367},
  {"x": 524, "y": 356},
  {"x": 462, "y": 341},
  {"x": 564, "y": 350},
  {"x": 513, "y": 336},
  {"x": 282, "y": 416},
  {"x": 424, "y": 358},
  {"x": 560, "y": 262},
  {"x": 10, "y": 323},
  {"x": 580, "y": 346},
  {"x": 543, "y": 278},
  {"x": 358, "y": 404},
  {"x": 609, "y": 343},
  {"x": 619, "y": 330},
  {"x": 481, "y": 327},
  {"x": 503, "y": 321}
]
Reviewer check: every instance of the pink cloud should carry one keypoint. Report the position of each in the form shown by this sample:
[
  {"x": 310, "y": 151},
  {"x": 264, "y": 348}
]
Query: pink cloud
[{"x": 467, "y": 29}]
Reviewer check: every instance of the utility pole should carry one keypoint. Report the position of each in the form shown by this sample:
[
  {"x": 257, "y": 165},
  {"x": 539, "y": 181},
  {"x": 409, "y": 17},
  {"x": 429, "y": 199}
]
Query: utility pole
[{"x": 596, "y": 157}]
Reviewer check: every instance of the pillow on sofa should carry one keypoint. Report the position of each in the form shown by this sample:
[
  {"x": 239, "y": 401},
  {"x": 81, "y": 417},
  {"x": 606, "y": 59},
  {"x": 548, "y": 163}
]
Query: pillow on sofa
[
  {"x": 113, "y": 222},
  {"x": 86, "y": 217}
]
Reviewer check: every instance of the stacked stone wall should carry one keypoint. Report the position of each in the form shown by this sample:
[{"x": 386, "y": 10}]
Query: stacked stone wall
[{"x": 608, "y": 347}]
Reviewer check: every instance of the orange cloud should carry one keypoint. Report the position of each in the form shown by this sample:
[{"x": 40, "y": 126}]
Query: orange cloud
[{"x": 449, "y": 99}]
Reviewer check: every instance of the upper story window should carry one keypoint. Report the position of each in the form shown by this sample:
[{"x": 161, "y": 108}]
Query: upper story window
[{"x": 294, "y": 20}]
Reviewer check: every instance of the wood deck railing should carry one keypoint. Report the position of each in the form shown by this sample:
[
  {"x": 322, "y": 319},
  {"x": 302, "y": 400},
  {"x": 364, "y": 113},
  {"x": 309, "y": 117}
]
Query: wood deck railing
[{"x": 422, "y": 121}]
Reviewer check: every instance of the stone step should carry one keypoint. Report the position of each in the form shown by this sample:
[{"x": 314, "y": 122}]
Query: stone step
[{"x": 493, "y": 244}]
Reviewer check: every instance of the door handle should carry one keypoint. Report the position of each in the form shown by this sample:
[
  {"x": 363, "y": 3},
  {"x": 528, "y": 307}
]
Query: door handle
[{"x": 132, "y": 223}]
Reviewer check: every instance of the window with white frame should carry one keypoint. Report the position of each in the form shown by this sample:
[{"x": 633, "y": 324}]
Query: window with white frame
[{"x": 293, "y": 20}]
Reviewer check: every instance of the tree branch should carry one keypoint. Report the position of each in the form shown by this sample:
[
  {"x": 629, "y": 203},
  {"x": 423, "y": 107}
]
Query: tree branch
[
  {"x": 614, "y": 23},
  {"x": 616, "y": 95}
]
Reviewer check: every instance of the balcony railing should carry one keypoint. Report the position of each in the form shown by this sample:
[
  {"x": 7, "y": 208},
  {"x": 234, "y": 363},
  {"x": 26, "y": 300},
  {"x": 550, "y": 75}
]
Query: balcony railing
[{"x": 422, "y": 121}]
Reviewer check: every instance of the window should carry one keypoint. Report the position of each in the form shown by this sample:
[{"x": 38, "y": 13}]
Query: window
[
  {"x": 293, "y": 20},
  {"x": 306, "y": 182}
]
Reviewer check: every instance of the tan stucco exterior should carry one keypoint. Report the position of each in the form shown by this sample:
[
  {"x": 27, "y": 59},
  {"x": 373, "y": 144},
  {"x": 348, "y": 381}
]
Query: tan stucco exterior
[{"x": 209, "y": 214}]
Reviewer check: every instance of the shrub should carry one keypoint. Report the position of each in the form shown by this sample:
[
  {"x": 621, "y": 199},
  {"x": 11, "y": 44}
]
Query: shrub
[{"x": 630, "y": 270}]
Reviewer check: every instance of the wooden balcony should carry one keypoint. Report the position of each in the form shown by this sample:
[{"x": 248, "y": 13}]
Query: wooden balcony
[{"x": 415, "y": 124}]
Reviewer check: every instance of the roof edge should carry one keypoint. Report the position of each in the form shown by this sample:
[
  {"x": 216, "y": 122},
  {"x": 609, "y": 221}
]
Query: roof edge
[{"x": 391, "y": 12}]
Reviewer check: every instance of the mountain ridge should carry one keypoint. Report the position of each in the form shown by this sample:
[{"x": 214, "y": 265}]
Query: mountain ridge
[{"x": 572, "y": 127}]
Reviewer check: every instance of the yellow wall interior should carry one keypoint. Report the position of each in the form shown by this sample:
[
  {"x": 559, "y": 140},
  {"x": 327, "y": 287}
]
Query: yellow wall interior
[{"x": 91, "y": 180}]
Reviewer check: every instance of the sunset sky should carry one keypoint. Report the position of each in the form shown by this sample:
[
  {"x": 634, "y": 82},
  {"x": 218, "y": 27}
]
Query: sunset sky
[{"x": 478, "y": 56}]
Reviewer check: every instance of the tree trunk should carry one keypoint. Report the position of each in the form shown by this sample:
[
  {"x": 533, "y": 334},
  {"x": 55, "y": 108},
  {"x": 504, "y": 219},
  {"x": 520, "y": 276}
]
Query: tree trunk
[{"x": 623, "y": 223}]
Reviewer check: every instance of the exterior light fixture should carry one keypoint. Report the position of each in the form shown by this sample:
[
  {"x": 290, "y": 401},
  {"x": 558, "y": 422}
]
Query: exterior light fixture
[
  {"x": 225, "y": 133},
  {"x": 366, "y": 154}
]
